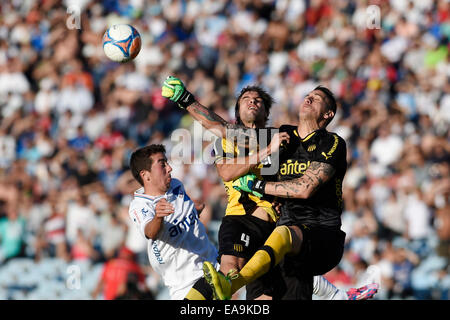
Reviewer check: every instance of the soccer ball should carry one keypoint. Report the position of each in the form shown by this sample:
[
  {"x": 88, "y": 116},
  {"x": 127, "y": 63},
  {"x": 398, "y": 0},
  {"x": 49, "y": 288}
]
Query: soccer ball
[{"x": 121, "y": 43}]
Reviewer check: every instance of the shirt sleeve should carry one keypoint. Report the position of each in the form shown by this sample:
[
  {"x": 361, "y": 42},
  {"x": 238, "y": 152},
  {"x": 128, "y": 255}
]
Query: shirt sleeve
[
  {"x": 141, "y": 215},
  {"x": 332, "y": 149},
  {"x": 222, "y": 150}
]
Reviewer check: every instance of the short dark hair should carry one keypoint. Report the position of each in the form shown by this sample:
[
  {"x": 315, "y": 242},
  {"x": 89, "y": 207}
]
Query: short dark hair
[
  {"x": 266, "y": 97},
  {"x": 330, "y": 100},
  {"x": 140, "y": 160}
]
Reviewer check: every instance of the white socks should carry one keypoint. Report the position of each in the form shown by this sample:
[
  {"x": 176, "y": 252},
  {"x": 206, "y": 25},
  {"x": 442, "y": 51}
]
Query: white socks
[{"x": 326, "y": 290}]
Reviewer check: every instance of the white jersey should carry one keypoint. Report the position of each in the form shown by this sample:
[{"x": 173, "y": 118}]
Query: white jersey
[{"x": 182, "y": 244}]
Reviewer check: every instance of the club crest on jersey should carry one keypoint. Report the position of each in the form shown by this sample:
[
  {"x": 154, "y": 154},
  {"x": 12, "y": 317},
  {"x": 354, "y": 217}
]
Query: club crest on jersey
[
  {"x": 144, "y": 212},
  {"x": 311, "y": 148}
]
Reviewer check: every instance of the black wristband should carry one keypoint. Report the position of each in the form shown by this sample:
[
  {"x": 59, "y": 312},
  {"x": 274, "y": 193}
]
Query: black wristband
[
  {"x": 259, "y": 186},
  {"x": 186, "y": 99}
]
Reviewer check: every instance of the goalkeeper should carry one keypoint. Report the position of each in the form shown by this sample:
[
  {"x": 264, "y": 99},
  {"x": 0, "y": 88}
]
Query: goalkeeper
[{"x": 249, "y": 220}]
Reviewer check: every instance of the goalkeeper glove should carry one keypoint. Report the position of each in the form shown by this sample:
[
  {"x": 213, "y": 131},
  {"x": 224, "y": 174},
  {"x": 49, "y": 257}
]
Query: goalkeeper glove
[
  {"x": 250, "y": 184},
  {"x": 175, "y": 90}
]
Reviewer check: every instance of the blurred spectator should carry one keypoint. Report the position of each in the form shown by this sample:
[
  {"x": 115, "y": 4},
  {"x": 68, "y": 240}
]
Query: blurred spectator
[
  {"x": 418, "y": 219},
  {"x": 385, "y": 150},
  {"x": 7, "y": 149},
  {"x": 81, "y": 141},
  {"x": 80, "y": 219},
  {"x": 404, "y": 262},
  {"x": 112, "y": 235},
  {"x": 12, "y": 230},
  {"x": 392, "y": 221},
  {"x": 443, "y": 230},
  {"x": 51, "y": 241},
  {"x": 115, "y": 275}
]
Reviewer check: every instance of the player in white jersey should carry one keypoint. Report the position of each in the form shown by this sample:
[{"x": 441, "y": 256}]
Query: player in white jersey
[{"x": 165, "y": 215}]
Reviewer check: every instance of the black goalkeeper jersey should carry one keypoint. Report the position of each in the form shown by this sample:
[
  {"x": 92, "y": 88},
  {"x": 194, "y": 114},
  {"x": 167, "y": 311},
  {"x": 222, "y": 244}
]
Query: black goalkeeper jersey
[{"x": 324, "y": 208}]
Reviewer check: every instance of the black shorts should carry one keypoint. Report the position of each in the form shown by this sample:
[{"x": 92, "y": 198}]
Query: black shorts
[
  {"x": 321, "y": 251},
  {"x": 241, "y": 236}
]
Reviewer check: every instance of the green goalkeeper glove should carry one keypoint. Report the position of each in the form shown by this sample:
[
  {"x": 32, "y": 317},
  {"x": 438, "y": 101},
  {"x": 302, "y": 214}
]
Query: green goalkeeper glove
[
  {"x": 175, "y": 90},
  {"x": 250, "y": 184}
]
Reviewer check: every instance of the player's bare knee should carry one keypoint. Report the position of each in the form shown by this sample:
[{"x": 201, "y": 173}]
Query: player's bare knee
[
  {"x": 229, "y": 262},
  {"x": 297, "y": 239}
]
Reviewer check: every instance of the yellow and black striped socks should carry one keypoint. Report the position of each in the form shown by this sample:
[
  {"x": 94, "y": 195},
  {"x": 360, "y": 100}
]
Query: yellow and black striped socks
[{"x": 201, "y": 290}]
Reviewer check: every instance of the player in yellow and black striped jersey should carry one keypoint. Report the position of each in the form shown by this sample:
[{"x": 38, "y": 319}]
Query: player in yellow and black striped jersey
[
  {"x": 248, "y": 220},
  {"x": 241, "y": 203}
]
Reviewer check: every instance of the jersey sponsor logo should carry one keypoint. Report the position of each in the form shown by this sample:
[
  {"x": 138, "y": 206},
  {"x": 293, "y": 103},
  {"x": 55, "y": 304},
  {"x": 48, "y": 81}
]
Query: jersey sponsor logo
[
  {"x": 311, "y": 148},
  {"x": 157, "y": 253},
  {"x": 181, "y": 226},
  {"x": 290, "y": 167}
]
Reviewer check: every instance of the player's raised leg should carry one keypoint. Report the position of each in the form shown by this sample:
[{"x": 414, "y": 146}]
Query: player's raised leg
[{"x": 277, "y": 245}]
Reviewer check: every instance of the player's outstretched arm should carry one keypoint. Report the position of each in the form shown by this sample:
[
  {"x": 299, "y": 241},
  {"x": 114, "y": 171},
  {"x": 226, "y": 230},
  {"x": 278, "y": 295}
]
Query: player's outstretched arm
[
  {"x": 304, "y": 187},
  {"x": 174, "y": 90}
]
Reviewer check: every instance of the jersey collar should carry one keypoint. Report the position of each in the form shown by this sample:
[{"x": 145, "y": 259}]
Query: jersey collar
[
  {"x": 307, "y": 137},
  {"x": 139, "y": 193}
]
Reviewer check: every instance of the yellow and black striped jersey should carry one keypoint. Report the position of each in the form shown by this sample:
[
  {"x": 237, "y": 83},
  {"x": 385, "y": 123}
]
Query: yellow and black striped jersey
[{"x": 241, "y": 203}]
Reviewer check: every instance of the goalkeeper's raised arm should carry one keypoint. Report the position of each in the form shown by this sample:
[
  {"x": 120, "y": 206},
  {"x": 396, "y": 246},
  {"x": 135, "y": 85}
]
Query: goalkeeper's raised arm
[{"x": 174, "y": 90}]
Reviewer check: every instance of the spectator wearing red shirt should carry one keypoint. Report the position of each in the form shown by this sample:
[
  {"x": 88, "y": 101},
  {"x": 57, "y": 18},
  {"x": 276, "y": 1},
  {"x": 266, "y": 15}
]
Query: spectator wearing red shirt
[
  {"x": 115, "y": 273},
  {"x": 109, "y": 139}
]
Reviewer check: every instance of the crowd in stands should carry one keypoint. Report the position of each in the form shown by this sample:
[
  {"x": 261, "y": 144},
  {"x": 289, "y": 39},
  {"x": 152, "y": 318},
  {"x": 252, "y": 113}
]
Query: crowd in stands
[{"x": 70, "y": 118}]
